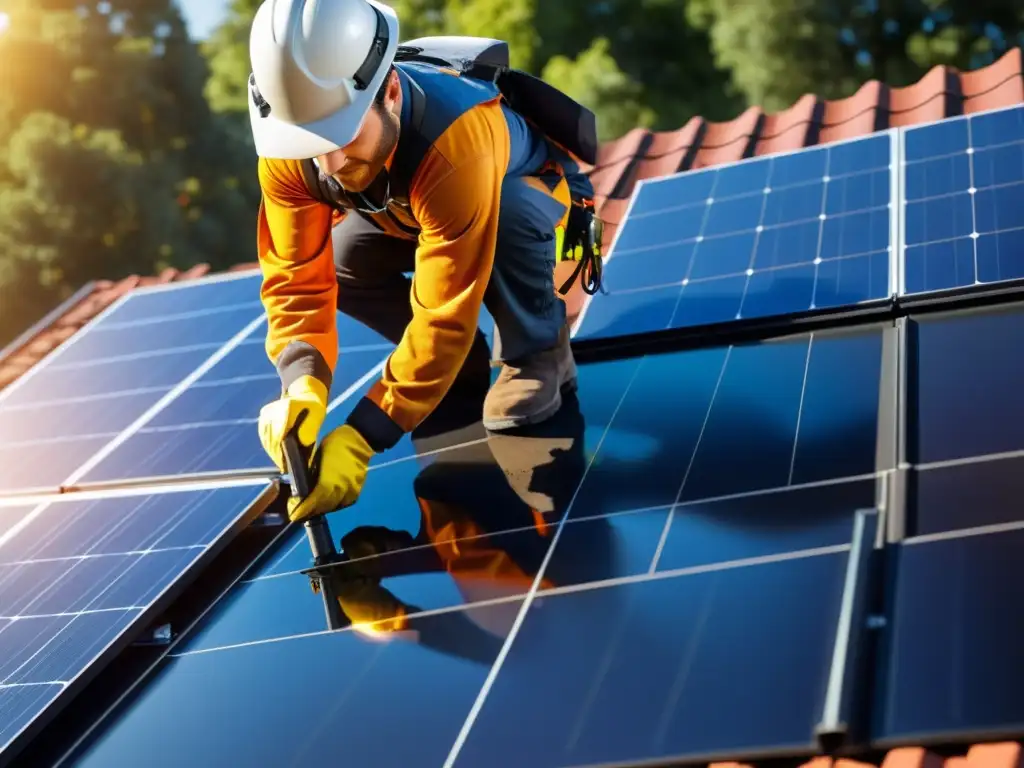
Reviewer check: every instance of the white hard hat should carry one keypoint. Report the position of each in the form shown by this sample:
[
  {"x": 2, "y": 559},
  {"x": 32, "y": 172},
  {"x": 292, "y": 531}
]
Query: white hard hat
[{"x": 316, "y": 67}]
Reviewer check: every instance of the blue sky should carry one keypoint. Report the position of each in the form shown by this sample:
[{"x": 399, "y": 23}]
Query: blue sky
[{"x": 203, "y": 15}]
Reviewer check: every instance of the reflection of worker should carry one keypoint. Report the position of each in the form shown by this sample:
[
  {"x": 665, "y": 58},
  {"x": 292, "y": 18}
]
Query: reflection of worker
[
  {"x": 488, "y": 519},
  {"x": 431, "y": 173}
]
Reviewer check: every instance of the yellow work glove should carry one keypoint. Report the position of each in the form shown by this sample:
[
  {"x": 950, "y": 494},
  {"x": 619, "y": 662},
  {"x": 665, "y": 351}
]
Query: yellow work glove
[
  {"x": 303, "y": 403},
  {"x": 343, "y": 459}
]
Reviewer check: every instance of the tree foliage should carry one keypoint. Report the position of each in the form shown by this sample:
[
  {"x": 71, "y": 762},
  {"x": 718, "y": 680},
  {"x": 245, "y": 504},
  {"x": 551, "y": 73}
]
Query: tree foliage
[
  {"x": 111, "y": 160},
  {"x": 778, "y": 50},
  {"x": 634, "y": 62}
]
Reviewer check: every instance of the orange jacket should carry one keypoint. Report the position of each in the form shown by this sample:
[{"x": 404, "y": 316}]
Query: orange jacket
[{"x": 454, "y": 199}]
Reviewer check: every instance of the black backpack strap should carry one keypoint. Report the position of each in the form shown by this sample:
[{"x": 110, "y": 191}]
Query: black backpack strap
[
  {"x": 412, "y": 143},
  {"x": 317, "y": 187}
]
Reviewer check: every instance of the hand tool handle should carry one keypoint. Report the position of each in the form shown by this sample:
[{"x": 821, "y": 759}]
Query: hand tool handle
[
  {"x": 298, "y": 465},
  {"x": 297, "y": 459},
  {"x": 317, "y": 530}
]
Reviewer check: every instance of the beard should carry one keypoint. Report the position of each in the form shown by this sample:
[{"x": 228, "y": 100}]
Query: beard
[{"x": 358, "y": 176}]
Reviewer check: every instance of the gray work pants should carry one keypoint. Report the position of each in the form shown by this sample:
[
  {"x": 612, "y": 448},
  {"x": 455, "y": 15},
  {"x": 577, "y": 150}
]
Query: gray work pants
[{"x": 528, "y": 315}]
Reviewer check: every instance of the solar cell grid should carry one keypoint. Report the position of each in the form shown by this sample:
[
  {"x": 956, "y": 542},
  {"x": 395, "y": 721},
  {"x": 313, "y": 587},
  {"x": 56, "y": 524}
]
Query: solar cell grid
[
  {"x": 501, "y": 606},
  {"x": 118, "y": 368},
  {"x": 963, "y": 192},
  {"x": 763, "y": 237},
  {"x": 207, "y": 295},
  {"x": 957, "y": 570},
  {"x": 78, "y": 572},
  {"x": 211, "y": 425},
  {"x": 169, "y": 382}
]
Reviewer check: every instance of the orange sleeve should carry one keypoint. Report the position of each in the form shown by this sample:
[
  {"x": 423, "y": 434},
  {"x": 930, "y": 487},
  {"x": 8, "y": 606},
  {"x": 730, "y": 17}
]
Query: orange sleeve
[
  {"x": 299, "y": 290},
  {"x": 455, "y": 197}
]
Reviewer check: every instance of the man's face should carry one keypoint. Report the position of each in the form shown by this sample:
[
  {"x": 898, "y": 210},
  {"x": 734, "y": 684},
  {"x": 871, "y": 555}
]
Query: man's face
[{"x": 357, "y": 164}]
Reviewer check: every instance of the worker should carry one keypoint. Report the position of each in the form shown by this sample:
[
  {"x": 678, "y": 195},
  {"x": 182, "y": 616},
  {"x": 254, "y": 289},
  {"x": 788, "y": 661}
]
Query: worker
[{"x": 434, "y": 174}]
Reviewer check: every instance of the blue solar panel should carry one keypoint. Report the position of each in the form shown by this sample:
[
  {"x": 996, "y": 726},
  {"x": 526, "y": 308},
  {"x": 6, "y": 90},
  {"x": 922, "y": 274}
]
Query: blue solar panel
[
  {"x": 206, "y": 295},
  {"x": 957, "y": 574},
  {"x": 964, "y": 202},
  {"x": 770, "y": 236},
  {"x": 79, "y": 573},
  {"x": 967, "y": 421},
  {"x": 596, "y": 669},
  {"x": 211, "y": 425},
  {"x": 53, "y": 419},
  {"x": 954, "y": 661}
]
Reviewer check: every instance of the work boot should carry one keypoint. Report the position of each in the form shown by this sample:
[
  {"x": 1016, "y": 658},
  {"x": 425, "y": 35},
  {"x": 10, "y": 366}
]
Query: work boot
[{"x": 529, "y": 391}]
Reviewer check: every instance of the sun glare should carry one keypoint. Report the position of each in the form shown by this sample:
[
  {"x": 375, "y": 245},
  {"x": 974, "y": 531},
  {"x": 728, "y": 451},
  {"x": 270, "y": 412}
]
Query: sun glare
[{"x": 5, "y": 21}]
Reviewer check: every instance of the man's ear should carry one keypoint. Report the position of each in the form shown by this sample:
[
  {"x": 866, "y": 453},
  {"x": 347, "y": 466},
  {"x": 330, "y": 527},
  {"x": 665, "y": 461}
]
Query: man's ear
[{"x": 393, "y": 91}]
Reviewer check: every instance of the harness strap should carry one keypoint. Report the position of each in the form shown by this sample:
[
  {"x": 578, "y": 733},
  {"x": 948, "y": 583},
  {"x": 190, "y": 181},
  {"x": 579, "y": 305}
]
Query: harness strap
[{"x": 412, "y": 143}]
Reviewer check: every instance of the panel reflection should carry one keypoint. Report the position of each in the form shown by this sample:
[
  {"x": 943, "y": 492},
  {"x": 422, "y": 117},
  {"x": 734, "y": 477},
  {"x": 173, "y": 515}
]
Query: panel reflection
[{"x": 466, "y": 525}]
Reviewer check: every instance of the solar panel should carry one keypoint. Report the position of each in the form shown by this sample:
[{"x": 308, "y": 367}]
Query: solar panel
[
  {"x": 966, "y": 418},
  {"x": 963, "y": 191},
  {"x": 776, "y": 235},
  {"x": 81, "y": 573},
  {"x": 112, "y": 373},
  {"x": 955, "y": 647},
  {"x": 211, "y": 425},
  {"x": 958, "y": 571},
  {"x": 522, "y": 607}
]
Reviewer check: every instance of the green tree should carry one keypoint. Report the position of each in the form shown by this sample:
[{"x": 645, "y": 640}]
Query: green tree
[
  {"x": 664, "y": 61},
  {"x": 634, "y": 62},
  {"x": 777, "y": 50},
  {"x": 112, "y": 161},
  {"x": 227, "y": 51},
  {"x": 594, "y": 78}
]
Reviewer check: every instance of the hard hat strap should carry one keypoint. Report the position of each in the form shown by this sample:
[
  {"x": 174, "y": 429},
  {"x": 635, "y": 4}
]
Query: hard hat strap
[{"x": 364, "y": 75}]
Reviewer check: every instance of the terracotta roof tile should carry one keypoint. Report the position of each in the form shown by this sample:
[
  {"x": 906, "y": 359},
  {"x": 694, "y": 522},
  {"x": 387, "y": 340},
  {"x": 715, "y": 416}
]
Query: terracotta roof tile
[
  {"x": 729, "y": 141},
  {"x": 866, "y": 100},
  {"x": 1008, "y": 92},
  {"x": 997, "y": 85},
  {"x": 740, "y": 128},
  {"x": 666, "y": 152},
  {"x": 912, "y": 757},
  {"x": 933, "y": 97},
  {"x": 614, "y": 160},
  {"x": 856, "y": 115},
  {"x": 980, "y": 81},
  {"x": 790, "y": 129},
  {"x": 995, "y": 755}
]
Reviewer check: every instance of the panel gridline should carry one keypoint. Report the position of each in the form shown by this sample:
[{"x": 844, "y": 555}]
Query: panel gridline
[
  {"x": 654, "y": 682},
  {"x": 92, "y": 412},
  {"x": 77, "y": 573},
  {"x": 210, "y": 426},
  {"x": 82, "y": 396},
  {"x": 776, "y": 235},
  {"x": 957, "y": 572},
  {"x": 964, "y": 202}
]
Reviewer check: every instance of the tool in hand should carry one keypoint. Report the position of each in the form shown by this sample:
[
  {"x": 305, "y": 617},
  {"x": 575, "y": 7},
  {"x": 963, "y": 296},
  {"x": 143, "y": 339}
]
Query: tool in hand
[{"x": 325, "y": 556}]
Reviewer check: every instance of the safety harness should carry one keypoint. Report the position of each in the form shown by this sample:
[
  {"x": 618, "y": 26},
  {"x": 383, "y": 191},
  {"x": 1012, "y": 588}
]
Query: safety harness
[{"x": 562, "y": 120}]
